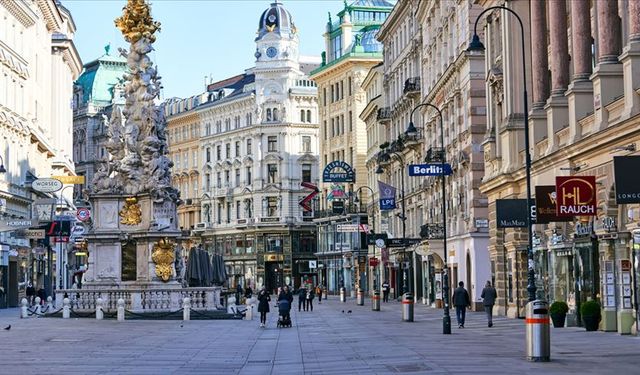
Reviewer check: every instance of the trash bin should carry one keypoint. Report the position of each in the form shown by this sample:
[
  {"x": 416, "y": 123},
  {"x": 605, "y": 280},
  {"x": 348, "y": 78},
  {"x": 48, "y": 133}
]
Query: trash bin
[
  {"x": 360, "y": 297},
  {"x": 375, "y": 301},
  {"x": 537, "y": 331},
  {"x": 407, "y": 307},
  {"x": 343, "y": 296}
]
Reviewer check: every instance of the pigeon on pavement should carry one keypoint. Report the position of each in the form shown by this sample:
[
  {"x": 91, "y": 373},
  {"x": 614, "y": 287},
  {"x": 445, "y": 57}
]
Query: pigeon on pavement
[
  {"x": 349, "y": 312},
  {"x": 7, "y": 327}
]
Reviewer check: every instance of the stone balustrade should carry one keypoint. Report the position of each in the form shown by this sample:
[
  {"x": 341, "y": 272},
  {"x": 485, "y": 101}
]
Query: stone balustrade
[{"x": 141, "y": 300}]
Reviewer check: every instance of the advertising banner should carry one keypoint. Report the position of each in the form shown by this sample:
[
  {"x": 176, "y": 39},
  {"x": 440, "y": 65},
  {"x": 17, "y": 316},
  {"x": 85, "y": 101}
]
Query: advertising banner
[
  {"x": 511, "y": 213},
  {"x": 627, "y": 179},
  {"x": 576, "y": 196},
  {"x": 387, "y": 196},
  {"x": 546, "y": 205}
]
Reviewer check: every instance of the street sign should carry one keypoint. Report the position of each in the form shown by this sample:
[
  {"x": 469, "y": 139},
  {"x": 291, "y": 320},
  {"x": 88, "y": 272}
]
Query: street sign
[
  {"x": 77, "y": 231},
  {"x": 46, "y": 185},
  {"x": 347, "y": 228},
  {"x": 364, "y": 228},
  {"x": 9, "y": 225},
  {"x": 433, "y": 169},
  {"x": 312, "y": 264},
  {"x": 70, "y": 180},
  {"x": 83, "y": 214},
  {"x": 34, "y": 234},
  {"x": 400, "y": 242}
]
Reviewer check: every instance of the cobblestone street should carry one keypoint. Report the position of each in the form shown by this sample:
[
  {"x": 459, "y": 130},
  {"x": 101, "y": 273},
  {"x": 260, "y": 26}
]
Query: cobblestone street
[{"x": 325, "y": 341}]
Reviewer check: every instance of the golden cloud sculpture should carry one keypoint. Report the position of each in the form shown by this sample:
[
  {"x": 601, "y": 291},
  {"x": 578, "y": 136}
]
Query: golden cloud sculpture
[{"x": 136, "y": 22}]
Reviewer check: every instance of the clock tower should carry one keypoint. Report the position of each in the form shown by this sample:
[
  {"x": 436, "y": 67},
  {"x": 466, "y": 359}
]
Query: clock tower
[{"x": 277, "y": 63}]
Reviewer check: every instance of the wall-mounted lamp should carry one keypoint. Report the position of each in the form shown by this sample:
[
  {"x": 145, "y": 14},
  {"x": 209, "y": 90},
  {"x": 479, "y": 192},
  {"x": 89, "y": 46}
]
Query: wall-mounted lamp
[{"x": 629, "y": 148}]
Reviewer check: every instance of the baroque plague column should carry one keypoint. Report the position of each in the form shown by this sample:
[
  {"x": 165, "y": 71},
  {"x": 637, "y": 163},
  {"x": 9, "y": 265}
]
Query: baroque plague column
[{"x": 131, "y": 242}]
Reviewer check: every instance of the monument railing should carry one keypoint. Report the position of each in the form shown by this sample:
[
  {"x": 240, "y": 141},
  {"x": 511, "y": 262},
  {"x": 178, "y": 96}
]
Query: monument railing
[{"x": 141, "y": 300}]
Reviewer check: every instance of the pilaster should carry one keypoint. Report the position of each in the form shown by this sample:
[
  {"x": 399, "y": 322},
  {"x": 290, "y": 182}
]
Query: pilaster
[
  {"x": 630, "y": 59},
  {"x": 580, "y": 103},
  {"x": 557, "y": 118}
]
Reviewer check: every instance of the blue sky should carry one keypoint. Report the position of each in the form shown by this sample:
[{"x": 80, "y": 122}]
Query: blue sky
[{"x": 199, "y": 37}]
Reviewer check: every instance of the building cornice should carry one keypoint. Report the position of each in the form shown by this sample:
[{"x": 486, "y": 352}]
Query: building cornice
[
  {"x": 396, "y": 15},
  {"x": 13, "y": 61},
  {"x": 21, "y": 11},
  {"x": 344, "y": 63},
  {"x": 51, "y": 13}
]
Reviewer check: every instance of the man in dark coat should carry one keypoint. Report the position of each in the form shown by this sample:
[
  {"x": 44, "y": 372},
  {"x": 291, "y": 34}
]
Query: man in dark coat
[
  {"x": 31, "y": 294},
  {"x": 489, "y": 296},
  {"x": 385, "y": 291},
  {"x": 263, "y": 306},
  {"x": 461, "y": 301},
  {"x": 302, "y": 299},
  {"x": 310, "y": 296}
]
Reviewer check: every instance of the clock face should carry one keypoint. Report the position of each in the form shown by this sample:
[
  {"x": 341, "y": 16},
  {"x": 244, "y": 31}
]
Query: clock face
[
  {"x": 43, "y": 212},
  {"x": 272, "y": 52},
  {"x": 380, "y": 243}
]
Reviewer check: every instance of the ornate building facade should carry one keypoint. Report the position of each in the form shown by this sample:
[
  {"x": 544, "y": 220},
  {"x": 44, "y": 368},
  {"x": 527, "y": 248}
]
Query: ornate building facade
[
  {"x": 258, "y": 143},
  {"x": 582, "y": 115},
  {"x": 351, "y": 50},
  {"x": 38, "y": 64}
]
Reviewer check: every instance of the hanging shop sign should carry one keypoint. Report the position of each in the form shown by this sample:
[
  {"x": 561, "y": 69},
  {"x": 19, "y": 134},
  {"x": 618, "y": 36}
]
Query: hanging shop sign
[
  {"x": 433, "y": 169},
  {"x": 338, "y": 171},
  {"x": 627, "y": 182},
  {"x": 70, "y": 180},
  {"x": 511, "y": 213},
  {"x": 576, "y": 196},
  {"x": 46, "y": 185},
  {"x": 546, "y": 205},
  {"x": 337, "y": 207}
]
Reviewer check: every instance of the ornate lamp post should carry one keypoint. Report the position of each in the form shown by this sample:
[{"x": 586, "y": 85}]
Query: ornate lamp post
[
  {"x": 476, "y": 45},
  {"x": 402, "y": 217},
  {"x": 373, "y": 219},
  {"x": 411, "y": 130}
]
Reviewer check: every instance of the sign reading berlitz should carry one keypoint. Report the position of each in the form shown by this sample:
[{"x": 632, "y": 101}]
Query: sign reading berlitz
[{"x": 576, "y": 196}]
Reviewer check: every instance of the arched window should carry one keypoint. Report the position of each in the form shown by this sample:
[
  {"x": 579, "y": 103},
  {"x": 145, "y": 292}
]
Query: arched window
[
  {"x": 308, "y": 115},
  {"x": 275, "y": 114},
  {"x": 268, "y": 114},
  {"x": 302, "y": 115}
]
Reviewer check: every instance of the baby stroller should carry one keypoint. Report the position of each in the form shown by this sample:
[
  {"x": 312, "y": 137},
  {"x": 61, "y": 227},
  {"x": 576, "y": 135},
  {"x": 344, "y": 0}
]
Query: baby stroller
[{"x": 284, "y": 319}]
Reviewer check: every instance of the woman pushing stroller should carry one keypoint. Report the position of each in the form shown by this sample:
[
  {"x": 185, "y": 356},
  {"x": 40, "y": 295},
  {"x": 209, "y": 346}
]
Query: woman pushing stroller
[{"x": 285, "y": 298}]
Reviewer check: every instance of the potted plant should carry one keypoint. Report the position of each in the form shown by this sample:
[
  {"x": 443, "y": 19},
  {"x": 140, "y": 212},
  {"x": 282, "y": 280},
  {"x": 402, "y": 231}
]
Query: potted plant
[
  {"x": 591, "y": 315},
  {"x": 558, "y": 312}
]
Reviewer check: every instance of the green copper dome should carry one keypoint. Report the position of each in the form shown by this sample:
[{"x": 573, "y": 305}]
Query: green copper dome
[{"x": 99, "y": 77}]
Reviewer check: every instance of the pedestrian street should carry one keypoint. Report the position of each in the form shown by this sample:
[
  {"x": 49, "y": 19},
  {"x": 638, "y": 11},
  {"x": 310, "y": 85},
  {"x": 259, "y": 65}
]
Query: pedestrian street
[{"x": 325, "y": 341}]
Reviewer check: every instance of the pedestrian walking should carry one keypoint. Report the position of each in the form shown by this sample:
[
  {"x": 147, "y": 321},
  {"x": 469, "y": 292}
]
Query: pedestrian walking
[
  {"x": 385, "y": 291},
  {"x": 238, "y": 293},
  {"x": 31, "y": 294},
  {"x": 42, "y": 294},
  {"x": 248, "y": 292},
  {"x": 302, "y": 299},
  {"x": 319, "y": 293},
  {"x": 461, "y": 301},
  {"x": 263, "y": 306},
  {"x": 310, "y": 296},
  {"x": 489, "y": 296}
]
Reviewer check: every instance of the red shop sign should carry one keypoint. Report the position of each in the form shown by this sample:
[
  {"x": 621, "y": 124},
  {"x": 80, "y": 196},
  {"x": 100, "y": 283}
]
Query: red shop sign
[{"x": 576, "y": 196}]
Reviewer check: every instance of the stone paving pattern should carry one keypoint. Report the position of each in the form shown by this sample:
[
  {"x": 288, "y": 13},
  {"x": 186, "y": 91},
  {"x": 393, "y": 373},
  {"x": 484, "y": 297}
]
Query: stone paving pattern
[{"x": 325, "y": 341}]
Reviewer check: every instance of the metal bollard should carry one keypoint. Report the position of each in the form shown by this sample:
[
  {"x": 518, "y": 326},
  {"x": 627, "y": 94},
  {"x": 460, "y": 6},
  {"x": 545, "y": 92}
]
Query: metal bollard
[
  {"x": 66, "y": 308},
  {"x": 343, "y": 296},
  {"x": 24, "y": 308},
  {"x": 38, "y": 307},
  {"x": 49, "y": 304},
  {"x": 537, "y": 331},
  {"x": 375, "y": 301},
  {"x": 120, "y": 310},
  {"x": 360, "y": 297},
  {"x": 99, "y": 312},
  {"x": 407, "y": 307}
]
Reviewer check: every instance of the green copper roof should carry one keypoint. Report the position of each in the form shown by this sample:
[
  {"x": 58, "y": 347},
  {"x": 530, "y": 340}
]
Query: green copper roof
[{"x": 99, "y": 77}]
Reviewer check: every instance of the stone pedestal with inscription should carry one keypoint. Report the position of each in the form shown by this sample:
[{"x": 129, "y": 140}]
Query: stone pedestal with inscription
[{"x": 121, "y": 250}]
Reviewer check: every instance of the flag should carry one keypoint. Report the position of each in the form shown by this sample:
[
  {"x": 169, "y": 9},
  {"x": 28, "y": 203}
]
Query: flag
[{"x": 387, "y": 196}]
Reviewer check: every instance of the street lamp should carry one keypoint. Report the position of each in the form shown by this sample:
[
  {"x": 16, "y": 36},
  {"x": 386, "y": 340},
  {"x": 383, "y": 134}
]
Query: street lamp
[
  {"x": 2, "y": 169},
  {"x": 411, "y": 130},
  {"x": 403, "y": 217},
  {"x": 476, "y": 45},
  {"x": 373, "y": 218}
]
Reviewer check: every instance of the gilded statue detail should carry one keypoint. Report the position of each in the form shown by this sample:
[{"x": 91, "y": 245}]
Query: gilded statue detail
[
  {"x": 131, "y": 214},
  {"x": 163, "y": 255}
]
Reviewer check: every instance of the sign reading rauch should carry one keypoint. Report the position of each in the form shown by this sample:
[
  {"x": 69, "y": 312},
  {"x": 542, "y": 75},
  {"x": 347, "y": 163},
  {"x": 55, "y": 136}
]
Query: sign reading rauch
[{"x": 576, "y": 196}]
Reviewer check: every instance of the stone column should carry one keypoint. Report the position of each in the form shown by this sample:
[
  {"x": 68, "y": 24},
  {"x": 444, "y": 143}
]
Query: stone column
[
  {"x": 539, "y": 73},
  {"x": 607, "y": 77},
  {"x": 580, "y": 92},
  {"x": 557, "y": 107},
  {"x": 630, "y": 59}
]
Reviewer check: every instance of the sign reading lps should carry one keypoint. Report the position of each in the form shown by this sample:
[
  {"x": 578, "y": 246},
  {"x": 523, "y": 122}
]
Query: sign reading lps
[
  {"x": 626, "y": 178},
  {"x": 511, "y": 213},
  {"x": 546, "y": 205},
  {"x": 576, "y": 196},
  {"x": 338, "y": 171}
]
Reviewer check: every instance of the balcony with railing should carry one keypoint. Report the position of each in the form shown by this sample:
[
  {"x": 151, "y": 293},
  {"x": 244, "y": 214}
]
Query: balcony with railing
[
  {"x": 384, "y": 115},
  {"x": 412, "y": 87}
]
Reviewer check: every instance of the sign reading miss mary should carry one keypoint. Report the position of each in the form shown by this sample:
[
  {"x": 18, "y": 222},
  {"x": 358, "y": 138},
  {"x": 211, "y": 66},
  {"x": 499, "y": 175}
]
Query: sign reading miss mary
[{"x": 338, "y": 171}]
